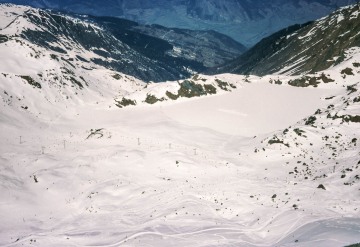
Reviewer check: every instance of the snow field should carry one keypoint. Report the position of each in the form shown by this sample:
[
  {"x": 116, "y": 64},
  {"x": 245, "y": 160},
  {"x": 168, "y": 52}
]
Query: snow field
[
  {"x": 112, "y": 191},
  {"x": 75, "y": 170}
]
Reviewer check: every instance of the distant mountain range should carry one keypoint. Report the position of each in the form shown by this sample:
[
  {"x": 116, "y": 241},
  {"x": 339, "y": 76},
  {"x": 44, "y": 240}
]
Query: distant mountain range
[
  {"x": 302, "y": 49},
  {"x": 156, "y": 53},
  {"x": 244, "y": 20},
  {"x": 150, "y": 53}
]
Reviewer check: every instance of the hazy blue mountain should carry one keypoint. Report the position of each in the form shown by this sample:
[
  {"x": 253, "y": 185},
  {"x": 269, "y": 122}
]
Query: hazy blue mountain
[{"x": 247, "y": 21}]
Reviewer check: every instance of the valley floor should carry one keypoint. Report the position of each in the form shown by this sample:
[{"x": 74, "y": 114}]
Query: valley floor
[{"x": 173, "y": 174}]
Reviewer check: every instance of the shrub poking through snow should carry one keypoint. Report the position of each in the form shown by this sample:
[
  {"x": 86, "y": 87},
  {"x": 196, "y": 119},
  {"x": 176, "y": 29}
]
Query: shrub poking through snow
[
  {"x": 151, "y": 99},
  {"x": 321, "y": 187},
  {"x": 117, "y": 76},
  {"x": 276, "y": 140},
  {"x": 310, "y": 121},
  {"x": 30, "y": 81},
  {"x": 172, "y": 96},
  {"x": 3, "y": 38},
  {"x": 347, "y": 71},
  {"x": 210, "y": 89},
  {"x": 224, "y": 85},
  {"x": 299, "y": 132},
  {"x": 190, "y": 89},
  {"x": 307, "y": 81},
  {"x": 125, "y": 102}
]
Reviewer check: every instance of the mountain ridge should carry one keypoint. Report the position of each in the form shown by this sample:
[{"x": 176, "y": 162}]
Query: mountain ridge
[
  {"x": 116, "y": 44},
  {"x": 247, "y": 22},
  {"x": 322, "y": 44}
]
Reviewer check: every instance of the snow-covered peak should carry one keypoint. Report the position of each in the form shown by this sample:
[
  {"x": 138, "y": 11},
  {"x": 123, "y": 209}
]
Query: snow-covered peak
[{"x": 13, "y": 21}]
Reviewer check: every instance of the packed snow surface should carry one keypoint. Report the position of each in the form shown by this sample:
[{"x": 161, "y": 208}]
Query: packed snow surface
[{"x": 240, "y": 113}]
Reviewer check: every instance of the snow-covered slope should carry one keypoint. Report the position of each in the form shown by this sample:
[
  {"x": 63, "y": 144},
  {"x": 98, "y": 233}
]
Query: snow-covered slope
[
  {"x": 302, "y": 49},
  {"x": 264, "y": 161},
  {"x": 236, "y": 168},
  {"x": 117, "y": 44},
  {"x": 74, "y": 41}
]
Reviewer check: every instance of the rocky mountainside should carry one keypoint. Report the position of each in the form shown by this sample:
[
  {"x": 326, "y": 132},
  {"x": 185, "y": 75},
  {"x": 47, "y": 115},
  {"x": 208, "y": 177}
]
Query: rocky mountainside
[
  {"x": 302, "y": 49},
  {"x": 195, "y": 49},
  {"x": 246, "y": 21},
  {"x": 117, "y": 44}
]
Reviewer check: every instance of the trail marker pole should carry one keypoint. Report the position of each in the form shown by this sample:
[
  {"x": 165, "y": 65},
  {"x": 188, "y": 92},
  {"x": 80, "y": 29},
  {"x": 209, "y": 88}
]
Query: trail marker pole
[{"x": 138, "y": 141}]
